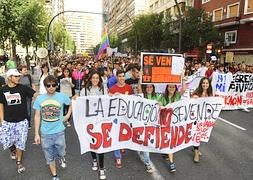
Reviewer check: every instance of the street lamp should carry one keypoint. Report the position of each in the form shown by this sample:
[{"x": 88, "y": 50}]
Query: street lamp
[{"x": 180, "y": 27}]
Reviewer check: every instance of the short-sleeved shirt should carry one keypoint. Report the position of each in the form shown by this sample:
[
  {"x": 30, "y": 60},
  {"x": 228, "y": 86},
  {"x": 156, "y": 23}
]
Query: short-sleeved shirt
[
  {"x": 51, "y": 110},
  {"x": 14, "y": 100},
  {"x": 126, "y": 89},
  {"x": 169, "y": 99}
]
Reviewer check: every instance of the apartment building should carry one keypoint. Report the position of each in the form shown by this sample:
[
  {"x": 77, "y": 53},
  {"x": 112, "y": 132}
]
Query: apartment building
[
  {"x": 82, "y": 28},
  {"x": 121, "y": 14},
  {"x": 234, "y": 19}
]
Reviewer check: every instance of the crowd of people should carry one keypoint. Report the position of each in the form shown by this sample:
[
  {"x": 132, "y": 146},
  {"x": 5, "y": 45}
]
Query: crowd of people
[{"x": 83, "y": 77}]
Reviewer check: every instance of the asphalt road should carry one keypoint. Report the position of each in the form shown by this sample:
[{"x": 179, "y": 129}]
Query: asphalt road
[{"x": 227, "y": 156}]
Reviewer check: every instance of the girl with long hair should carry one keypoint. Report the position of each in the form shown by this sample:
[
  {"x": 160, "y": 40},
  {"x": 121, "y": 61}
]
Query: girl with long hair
[
  {"x": 94, "y": 87},
  {"x": 204, "y": 90},
  {"x": 171, "y": 95},
  {"x": 44, "y": 74}
]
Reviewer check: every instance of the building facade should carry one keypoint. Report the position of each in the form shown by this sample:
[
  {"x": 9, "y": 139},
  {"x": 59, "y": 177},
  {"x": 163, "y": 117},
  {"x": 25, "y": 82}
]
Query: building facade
[
  {"x": 54, "y": 7},
  {"x": 82, "y": 28},
  {"x": 121, "y": 14},
  {"x": 168, "y": 6},
  {"x": 234, "y": 19}
]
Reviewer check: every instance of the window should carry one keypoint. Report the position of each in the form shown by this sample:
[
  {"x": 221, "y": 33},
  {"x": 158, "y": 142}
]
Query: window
[
  {"x": 151, "y": 8},
  {"x": 233, "y": 10},
  {"x": 230, "y": 37},
  {"x": 205, "y": 1},
  {"x": 156, "y": 4},
  {"x": 217, "y": 14},
  {"x": 248, "y": 6}
]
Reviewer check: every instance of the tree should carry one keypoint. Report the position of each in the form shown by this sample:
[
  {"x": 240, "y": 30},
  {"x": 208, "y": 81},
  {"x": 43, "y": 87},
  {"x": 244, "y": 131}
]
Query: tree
[
  {"x": 114, "y": 40},
  {"x": 10, "y": 11},
  {"x": 32, "y": 27},
  {"x": 59, "y": 34},
  {"x": 148, "y": 31},
  {"x": 197, "y": 31}
]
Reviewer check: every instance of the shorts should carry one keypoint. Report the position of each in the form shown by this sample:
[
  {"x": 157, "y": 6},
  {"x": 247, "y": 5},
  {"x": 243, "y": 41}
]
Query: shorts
[
  {"x": 53, "y": 146},
  {"x": 14, "y": 133}
]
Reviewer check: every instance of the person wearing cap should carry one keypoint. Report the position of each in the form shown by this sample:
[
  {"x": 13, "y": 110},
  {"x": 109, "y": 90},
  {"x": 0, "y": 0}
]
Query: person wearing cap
[{"x": 13, "y": 116}]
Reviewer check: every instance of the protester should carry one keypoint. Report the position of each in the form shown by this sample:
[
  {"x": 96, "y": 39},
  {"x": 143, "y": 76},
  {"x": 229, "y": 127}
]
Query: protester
[
  {"x": 13, "y": 116},
  {"x": 149, "y": 93},
  {"x": 94, "y": 87},
  {"x": 120, "y": 88},
  {"x": 78, "y": 75},
  {"x": 49, "y": 128},
  {"x": 27, "y": 80},
  {"x": 171, "y": 95},
  {"x": 44, "y": 74},
  {"x": 66, "y": 86},
  {"x": 203, "y": 90}
]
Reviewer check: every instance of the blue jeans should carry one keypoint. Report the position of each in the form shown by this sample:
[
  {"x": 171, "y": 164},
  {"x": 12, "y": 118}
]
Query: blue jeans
[
  {"x": 117, "y": 154},
  {"x": 146, "y": 158},
  {"x": 53, "y": 146}
]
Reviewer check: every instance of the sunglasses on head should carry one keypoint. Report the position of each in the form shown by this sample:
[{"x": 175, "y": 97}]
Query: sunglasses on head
[{"x": 51, "y": 85}]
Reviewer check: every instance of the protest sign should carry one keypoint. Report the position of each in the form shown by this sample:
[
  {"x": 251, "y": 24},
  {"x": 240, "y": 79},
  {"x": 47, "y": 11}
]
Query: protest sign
[
  {"x": 177, "y": 65},
  {"x": 236, "y": 89},
  {"x": 107, "y": 123},
  {"x": 156, "y": 68},
  {"x": 221, "y": 82}
]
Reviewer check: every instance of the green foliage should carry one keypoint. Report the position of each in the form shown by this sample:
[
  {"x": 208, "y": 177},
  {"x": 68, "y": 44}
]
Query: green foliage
[
  {"x": 33, "y": 22},
  {"x": 114, "y": 41},
  {"x": 197, "y": 31},
  {"x": 148, "y": 30},
  {"x": 20, "y": 21},
  {"x": 155, "y": 32}
]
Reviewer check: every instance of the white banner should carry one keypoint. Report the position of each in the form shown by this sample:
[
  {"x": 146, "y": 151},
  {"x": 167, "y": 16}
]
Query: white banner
[
  {"x": 107, "y": 123},
  {"x": 236, "y": 89}
]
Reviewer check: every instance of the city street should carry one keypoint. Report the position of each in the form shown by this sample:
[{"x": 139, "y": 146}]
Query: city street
[{"x": 228, "y": 156}]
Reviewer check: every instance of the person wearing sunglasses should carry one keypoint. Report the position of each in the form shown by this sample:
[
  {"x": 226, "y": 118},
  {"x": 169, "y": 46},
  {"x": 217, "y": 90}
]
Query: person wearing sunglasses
[
  {"x": 49, "y": 120},
  {"x": 13, "y": 116}
]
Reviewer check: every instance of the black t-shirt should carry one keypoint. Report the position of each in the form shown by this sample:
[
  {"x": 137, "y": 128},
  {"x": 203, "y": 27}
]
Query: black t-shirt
[
  {"x": 14, "y": 102},
  {"x": 133, "y": 83},
  {"x": 2, "y": 81}
]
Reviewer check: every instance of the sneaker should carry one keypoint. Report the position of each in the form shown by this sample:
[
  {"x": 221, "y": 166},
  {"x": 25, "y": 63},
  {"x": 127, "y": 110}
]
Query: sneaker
[
  {"x": 118, "y": 163},
  {"x": 148, "y": 168},
  {"x": 172, "y": 167},
  {"x": 56, "y": 178},
  {"x": 245, "y": 110},
  {"x": 102, "y": 174},
  {"x": 68, "y": 124},
  {"x": 94, "y": 165},
  {"x": 63, "y": 162},
  {"x": 13, "y": 155},
  {"x": 20, "y": 167}
]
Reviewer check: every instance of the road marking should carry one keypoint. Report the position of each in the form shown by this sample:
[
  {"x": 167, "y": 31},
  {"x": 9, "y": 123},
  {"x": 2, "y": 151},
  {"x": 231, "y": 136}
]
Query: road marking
[
  {"x": 156, "y": 175},
  {"x": 232, "y": 124}
]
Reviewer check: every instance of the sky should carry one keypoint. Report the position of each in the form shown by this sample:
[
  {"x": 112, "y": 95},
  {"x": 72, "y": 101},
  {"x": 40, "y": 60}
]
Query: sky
[{"x": 84, "y": 5}]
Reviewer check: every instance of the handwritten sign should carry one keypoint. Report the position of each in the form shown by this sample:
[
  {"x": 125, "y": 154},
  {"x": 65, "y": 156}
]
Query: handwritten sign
[
  {"x": 139, "y": 124},
  {"x": 156, "y": 68},
  {"x": 177, "y": 65}
]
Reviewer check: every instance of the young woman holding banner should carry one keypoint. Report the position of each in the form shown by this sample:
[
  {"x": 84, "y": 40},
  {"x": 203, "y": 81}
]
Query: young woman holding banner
[
  {"x": 94, "y": 87},
  {"x": 149, "y": 93},
  {"x": 171, "y": 95},
  {"x": 204, "y": 90}
]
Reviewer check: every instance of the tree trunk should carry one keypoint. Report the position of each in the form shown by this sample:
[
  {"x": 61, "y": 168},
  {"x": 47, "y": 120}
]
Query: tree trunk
[
  {"x": 14, "y": 52},
  {"x": 27, "y": 59}
]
